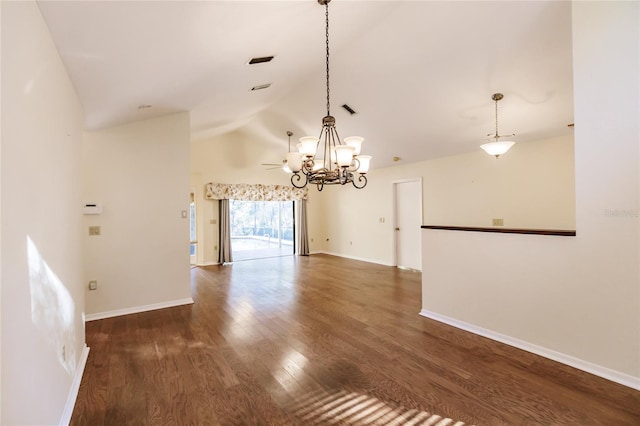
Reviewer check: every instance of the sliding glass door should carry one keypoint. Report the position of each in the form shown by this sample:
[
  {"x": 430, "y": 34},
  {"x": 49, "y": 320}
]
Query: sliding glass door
[{"x": 261, "y": 229}]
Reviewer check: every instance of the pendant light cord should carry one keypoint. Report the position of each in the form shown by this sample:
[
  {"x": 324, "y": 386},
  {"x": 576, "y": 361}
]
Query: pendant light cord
[
  {"x": 327, "y": 58},
  {"x": 497, "y": 121}
]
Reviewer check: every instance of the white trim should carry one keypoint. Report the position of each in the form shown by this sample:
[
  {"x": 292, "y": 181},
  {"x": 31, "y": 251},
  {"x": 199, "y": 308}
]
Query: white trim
[
  {"x": 138, "y": 309},
  {"x": 75, "y": 387},
  {"x": 362, "y": 259},
  {"x": 580, "y": 364},
  {"x": 207, "y": 263}
]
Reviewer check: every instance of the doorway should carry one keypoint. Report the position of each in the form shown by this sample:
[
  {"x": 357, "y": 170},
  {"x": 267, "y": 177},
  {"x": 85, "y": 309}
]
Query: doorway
[
  {"x": 261, "y": 229},
  {"x": 408, "y": 220}
]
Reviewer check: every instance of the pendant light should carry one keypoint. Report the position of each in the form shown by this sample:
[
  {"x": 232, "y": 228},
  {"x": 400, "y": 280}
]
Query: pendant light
[{"x": 498, "y": 147}]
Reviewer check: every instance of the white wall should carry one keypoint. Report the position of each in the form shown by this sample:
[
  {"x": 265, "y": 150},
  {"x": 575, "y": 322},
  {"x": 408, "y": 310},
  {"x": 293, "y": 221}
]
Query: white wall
[
  {"x": 574, "y": 298},
  {"x": 140, "y": 174},
  {"x": 532, "y": 186},
  {"x": 42, "y": 284}
]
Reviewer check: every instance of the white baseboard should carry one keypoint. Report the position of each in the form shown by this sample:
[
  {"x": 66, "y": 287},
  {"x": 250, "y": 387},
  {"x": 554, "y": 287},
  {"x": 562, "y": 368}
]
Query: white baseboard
[
  {"x": 598, "y": 370},
  {"x": 75, "y": 386},
  {"x": 138, "y": 309},
  {"x": 207, "y": 264},
  {"x": 362, "y": 259}
]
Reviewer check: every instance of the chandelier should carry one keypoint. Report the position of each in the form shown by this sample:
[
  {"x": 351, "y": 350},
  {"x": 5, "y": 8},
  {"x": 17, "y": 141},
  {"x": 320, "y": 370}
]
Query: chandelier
[
  {"x": 326, "y": 160},
  {"x": 498, "y": 147}
]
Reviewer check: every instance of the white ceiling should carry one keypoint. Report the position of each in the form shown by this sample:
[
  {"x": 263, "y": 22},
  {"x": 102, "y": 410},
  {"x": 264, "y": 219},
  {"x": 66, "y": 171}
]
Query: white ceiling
[{"x": 420, "y": 74}]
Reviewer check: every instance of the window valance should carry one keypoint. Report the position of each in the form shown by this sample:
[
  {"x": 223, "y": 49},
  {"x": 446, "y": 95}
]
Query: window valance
[{"x": 254, "y": 192}]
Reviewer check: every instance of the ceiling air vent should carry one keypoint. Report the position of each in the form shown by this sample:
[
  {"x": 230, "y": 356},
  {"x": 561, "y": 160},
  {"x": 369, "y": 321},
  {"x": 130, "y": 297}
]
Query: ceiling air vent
[
  {"x": 260, "y": 87},
  {"x": 348, "y": 108},
  {"x": 260, "y": 60}
]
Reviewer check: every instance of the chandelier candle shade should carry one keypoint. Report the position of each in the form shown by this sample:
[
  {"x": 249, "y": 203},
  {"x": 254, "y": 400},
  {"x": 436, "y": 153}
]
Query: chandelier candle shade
[
  {"x": 327, "y": 160},
  {"x": 498, "y": 147}
]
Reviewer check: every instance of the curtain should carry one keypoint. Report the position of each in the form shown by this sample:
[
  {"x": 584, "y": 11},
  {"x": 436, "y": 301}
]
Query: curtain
[
  {"x": 257, "y": 192},
  {"x": 224, "y": 255},
  {"x": 303, "y": 234}
]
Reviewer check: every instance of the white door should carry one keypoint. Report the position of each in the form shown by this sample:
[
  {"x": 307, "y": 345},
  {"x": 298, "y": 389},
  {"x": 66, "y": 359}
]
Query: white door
[{"x": 408, "y": 220}]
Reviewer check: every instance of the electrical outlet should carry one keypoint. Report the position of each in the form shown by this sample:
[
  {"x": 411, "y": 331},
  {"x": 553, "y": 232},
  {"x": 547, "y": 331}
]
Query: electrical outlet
[
  {"x": 94, "y": 230},
  {"x": 498, "y": 222},
  {"x": 93, "y": 285}
]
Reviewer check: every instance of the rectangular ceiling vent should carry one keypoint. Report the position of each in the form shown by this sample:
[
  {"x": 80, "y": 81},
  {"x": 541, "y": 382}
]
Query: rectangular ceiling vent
[
  {"x": 260, "y": 60},
  {"x": 348, "y": 108},
  {"x": 260, "y": 87}
]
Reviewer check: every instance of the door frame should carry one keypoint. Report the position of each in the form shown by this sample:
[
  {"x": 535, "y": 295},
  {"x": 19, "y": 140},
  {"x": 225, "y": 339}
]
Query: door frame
[
  {"x": 193, "y": 259},
  {"x": 395, "y": 213}
]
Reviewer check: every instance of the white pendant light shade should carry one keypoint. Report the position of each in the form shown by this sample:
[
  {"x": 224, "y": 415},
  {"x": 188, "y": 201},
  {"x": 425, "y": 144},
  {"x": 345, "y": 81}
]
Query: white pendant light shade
[
  {"x": 307, "y": 146},
  {"x": 364, "y": 160},
  {"x": 355, "y": 142},
  {"x": 344, "y": 155},
  {"x": 294, "y": 161},
  {"x": 497, "y": 148}
]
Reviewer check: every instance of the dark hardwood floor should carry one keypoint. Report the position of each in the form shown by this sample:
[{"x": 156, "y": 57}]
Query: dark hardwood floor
[{"x": 323, "y": 340}]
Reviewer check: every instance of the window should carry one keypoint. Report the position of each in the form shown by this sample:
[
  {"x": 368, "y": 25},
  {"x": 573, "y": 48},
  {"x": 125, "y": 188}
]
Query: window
[{"x": 261, "y": 229}]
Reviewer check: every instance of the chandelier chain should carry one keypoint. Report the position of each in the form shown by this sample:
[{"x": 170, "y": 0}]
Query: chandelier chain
[{"x": 326, "y": 14}]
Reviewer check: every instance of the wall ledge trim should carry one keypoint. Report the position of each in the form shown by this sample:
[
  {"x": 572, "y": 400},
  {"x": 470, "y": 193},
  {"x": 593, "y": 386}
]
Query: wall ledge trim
[
  {"x": 75, "y": 387},
  {"x": 600, "y": 371},
  {"x": 554, "y": 232},
  {"x": 138, "y": 309}
]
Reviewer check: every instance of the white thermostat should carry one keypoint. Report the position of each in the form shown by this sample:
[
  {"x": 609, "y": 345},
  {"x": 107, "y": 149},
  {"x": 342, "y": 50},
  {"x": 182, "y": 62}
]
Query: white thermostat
[{"x": 92, "y": 208}]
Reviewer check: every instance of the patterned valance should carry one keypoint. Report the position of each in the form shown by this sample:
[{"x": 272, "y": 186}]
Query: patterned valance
[{"x": 257, "y": 192}]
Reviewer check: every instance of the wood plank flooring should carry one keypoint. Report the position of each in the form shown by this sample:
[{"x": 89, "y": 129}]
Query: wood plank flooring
[{"x": 323, "y": 340}]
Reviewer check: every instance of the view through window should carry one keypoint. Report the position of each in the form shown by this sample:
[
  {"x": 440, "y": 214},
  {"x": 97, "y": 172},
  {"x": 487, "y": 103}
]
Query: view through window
[{"x": 261, "y": 229}]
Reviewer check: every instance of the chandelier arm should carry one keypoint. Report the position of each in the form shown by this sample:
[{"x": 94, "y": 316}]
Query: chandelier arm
[
  {"x": 355, "y": 165},
  {"x": 327, "y": 148},
  {"x": 332, "y": 146},
  {"x": 307, "y": 166},
  {"x": 297, "y": 177},
  {"x": 337, "y": 136},
  {"x": 361, "y": 178},
  {"x": 343, "y": 175}
]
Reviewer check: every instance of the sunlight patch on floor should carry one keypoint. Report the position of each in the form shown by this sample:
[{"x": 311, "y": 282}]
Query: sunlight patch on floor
[{"x": 354, "y": 408}]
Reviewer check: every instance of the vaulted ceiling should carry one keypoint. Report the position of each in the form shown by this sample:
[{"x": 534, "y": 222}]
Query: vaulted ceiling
[{"x": 419, "y": 74}]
